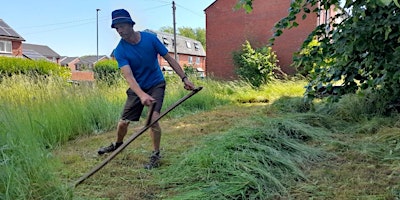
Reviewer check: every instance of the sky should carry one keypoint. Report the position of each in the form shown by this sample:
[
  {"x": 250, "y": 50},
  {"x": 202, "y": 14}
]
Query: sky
[{"x": 70, "y": 27}]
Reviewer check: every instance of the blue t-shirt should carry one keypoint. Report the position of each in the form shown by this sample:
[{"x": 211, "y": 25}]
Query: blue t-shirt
[{"x": 142, "y": 58}]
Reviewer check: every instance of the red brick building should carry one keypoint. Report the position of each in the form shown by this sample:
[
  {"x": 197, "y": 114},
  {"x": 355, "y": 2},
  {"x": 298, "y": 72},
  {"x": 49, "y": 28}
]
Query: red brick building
[
  {"x": 190, "y": 52},
  {"x": 228, "y": 29},
  {"x": 10, "y": 41}
]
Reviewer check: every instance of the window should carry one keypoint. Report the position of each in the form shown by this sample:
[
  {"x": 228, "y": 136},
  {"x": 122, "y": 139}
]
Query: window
[
  {"x": 165, "y": 40},
  {"x": 190, "y": 59},
  {"x": 5, "y": 46},
  {"x": 198, "y": 60},
  {"x": 188, "y": 45}
]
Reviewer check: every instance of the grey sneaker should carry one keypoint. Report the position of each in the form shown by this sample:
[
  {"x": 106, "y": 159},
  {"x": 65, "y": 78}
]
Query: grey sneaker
[
  {"x": 154, "y": 160},
  {"x": 109, "y": 149}
]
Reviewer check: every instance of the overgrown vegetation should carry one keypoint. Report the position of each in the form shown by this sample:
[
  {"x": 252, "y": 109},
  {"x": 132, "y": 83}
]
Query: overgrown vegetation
[
  {"x": 358, "y": 50},
  {"x": 222, "y": 148},
  {"x": 255, "y": 65},
  {"x": 10, "y": 66},
  {"x": 217, "y": 145},
  {"x": 40, "y": 114},
  {"x": 107, "y": 71}
]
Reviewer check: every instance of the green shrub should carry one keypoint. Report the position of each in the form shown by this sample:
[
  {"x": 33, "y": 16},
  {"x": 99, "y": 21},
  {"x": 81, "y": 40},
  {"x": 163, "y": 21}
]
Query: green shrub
[
  {"x": 189, "y": 69},
  {"x": 10, "y": 66},
  {"x": 255, "y": 65},
  {"x": 107, "y": 70}
]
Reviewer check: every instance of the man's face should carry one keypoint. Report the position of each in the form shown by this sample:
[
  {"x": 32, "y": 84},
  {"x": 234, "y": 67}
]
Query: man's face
[{"x": 125, "y": 30}]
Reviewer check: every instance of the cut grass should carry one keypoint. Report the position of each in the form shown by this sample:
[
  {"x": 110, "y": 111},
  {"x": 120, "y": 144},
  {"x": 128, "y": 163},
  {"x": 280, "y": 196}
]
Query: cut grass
[
  {"x": 230, "y": 153},
  {"x": 133, "y": 182},
  {"x": 252, "y": 150},
  {"x": 258, "y": 158}
]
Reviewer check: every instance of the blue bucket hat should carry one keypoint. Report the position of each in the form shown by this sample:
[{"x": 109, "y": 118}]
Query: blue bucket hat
[{"x": 121, "y": 16}]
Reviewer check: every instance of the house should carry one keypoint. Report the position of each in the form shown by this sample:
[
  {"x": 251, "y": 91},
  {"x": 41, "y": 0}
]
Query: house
[
  {"x": 228, "y": 29},
  {"x": 11, "y": 45},
  {"x": 70, "y": 62},
  {"x": 190, "y": 52},
  {"x": 88, "y": 62},
  {"x": 36, "y": 52},
  {"x": 81, "y": 67},
  {"x": 10, "y": 41}
]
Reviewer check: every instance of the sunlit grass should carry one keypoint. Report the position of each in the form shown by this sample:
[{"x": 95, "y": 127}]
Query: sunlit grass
[
  {"x": 248, "y": 162},
  {"x": 229, "y": 141},
  {"x": 48, "y": 112}
]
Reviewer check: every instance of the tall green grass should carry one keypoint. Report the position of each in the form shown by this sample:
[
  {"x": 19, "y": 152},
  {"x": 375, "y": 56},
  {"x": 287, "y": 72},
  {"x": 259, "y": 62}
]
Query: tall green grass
[
  {"x": 257, "y": 159},
  {"x": 38, "y": 114}
]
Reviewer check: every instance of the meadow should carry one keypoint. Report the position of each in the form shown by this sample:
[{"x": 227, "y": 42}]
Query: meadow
[{"x": 229, "y": 141}]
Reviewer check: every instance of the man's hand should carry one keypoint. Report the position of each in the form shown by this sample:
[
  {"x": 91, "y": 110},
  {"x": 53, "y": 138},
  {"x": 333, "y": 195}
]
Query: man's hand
[
  {"x": 188, "y": 85},
  {"x": 146, "y": 99}
]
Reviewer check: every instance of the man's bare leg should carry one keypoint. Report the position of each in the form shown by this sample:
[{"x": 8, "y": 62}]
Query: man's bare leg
[
  {"x": 155, "y": 133},
  {"x": 122, "y": 130}
]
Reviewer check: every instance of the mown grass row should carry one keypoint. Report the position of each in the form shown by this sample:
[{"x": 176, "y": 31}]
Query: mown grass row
[
  {"x": 259, "y": 158},
  {"x": 265, "y": 156}
]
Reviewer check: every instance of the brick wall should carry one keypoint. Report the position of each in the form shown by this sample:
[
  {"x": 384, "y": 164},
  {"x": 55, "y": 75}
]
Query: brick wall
[
  {"x": 16, "y": 48},
  {"x": 227, "y": 29},
  {"x": 183, "y": 60},
  {"x": 82, "y": 76}
]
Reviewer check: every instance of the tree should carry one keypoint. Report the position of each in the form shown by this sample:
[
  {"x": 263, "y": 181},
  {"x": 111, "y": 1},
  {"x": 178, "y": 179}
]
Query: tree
[
  {"x": 201, "y": 36},
  {"x": 361, "y": 53},
  {"x": 167, "y": 29}
]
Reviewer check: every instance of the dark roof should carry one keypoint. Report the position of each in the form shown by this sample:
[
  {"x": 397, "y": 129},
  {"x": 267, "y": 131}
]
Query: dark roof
[
  {"x": 33, "y": 55},
  {"x": 90, "y": 59},
  {"x": 184, "y": 45},
  {"x": 41, "y": 49},
  {"x": 210, "y": 5},
  {"x": 6, "y": 32},
  {"x": 66, "y": 60}
]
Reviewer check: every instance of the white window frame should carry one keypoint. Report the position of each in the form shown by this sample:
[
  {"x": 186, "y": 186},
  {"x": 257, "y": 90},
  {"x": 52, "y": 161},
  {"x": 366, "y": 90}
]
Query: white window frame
[
  {"x": 190, "y": 60},
  {"x": 188, "y": 45},
  {"x": 5, "y": 46}
]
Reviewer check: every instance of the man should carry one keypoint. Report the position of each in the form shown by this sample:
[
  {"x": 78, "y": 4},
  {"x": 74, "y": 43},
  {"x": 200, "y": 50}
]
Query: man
[{"x": 136, "y": 55}]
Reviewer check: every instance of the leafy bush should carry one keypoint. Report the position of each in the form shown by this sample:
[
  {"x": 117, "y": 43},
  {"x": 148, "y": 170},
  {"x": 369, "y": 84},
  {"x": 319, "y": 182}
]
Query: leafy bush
[
  {"x": 11, "y": 65},
  {"x": 304, "y": 60},
  {"x": 255, "y": 65},
  {"x": 189, "y": 69},
  {"x": 107, "y": 70},
  {"x": 358, "y": 49}
]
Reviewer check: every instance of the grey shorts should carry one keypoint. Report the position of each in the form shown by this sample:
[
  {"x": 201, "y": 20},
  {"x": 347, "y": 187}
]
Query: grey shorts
[{"x": 133, "y": 106}]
